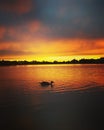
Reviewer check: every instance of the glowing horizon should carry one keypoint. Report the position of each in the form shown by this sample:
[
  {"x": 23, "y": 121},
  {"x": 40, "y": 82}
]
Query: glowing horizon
[
  {"x": 59, "y": 50},
  {"x": 51, "y": 58}
]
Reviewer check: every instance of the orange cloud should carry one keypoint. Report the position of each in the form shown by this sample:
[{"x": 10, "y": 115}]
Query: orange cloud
[
  {"x": 9, "y": 46},
  {"x": 30, "y": 31},
  {"x": 2, "y": 31},
  {"x": 34, "y": 26}
]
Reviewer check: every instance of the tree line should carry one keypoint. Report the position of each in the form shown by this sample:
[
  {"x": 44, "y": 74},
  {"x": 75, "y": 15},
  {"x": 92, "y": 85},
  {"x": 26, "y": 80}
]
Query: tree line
[{"x": 34, "y": 62}]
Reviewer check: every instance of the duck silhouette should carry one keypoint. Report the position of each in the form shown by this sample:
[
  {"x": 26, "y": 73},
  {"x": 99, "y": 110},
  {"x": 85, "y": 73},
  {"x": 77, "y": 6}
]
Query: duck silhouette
[{"x": 45, "y": 83}]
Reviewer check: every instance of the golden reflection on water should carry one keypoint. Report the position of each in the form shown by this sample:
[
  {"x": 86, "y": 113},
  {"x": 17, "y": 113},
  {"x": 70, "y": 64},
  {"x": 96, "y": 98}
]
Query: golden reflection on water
[{"x": 66, "y": 77}]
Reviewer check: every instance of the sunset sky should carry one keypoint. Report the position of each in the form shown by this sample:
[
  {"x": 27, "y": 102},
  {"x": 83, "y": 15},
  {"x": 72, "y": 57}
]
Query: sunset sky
[{"x": 51, "y": 29}]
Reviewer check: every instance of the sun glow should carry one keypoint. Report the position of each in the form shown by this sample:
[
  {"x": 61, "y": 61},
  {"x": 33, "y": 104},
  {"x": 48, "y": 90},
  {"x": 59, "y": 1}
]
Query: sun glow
[{"x": 51, "y": 50}]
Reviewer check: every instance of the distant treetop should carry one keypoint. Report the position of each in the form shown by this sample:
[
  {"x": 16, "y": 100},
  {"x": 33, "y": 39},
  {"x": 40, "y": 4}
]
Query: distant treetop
[{"x": 34, "y": 62}]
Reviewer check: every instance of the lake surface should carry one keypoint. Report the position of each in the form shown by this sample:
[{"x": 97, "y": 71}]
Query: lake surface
[{"x": 74, "y": 102}]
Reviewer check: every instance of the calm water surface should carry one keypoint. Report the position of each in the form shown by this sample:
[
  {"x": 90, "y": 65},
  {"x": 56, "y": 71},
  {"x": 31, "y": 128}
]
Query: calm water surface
[{"x": 74, "y": 102}]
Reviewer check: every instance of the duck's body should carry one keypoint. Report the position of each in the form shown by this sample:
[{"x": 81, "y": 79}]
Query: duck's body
[{"x": 45, "y": 83}]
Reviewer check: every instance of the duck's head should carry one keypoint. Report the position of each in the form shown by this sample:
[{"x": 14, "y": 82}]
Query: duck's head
[{"x": 52, "y": 82}]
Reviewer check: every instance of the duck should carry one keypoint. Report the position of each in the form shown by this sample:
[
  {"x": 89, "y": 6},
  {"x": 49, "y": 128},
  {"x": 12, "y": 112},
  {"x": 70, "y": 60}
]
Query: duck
[{"x": 45, "y": 83}]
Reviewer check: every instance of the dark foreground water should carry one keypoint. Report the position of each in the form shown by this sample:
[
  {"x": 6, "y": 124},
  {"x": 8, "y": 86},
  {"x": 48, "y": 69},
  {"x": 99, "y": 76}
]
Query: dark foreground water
[{"x": 75, "y": 102}]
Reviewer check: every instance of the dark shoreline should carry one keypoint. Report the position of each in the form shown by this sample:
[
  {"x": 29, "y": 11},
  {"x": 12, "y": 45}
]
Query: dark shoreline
[{"x": 34, "y": 62}]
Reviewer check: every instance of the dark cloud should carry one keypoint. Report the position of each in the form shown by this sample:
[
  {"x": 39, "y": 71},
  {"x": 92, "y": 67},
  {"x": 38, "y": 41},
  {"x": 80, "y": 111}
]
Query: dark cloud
[
  {"x": 16, "y": 6},
  {"x": 74, "y": 19},
  {"x": 64, "y": 18}
]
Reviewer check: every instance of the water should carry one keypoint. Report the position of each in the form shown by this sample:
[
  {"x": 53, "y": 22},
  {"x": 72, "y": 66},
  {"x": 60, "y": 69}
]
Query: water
[{"x": 74, "y": 102}]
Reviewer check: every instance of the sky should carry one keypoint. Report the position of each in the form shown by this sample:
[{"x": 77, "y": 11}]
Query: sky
[{"x": 51, "y": 29}]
